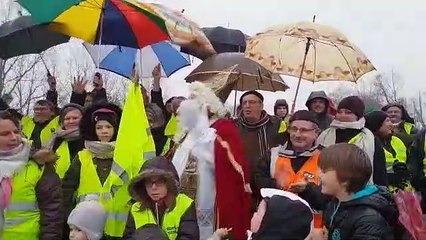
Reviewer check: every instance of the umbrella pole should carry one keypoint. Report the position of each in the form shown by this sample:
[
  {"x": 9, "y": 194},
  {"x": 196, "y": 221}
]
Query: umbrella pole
[
  {"x": 45, "y": 65},
  {"x": 308, "y": 44}
]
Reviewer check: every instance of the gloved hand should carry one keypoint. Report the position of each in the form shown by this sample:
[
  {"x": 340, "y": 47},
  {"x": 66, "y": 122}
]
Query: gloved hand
[{"x": 401, "y": 170}]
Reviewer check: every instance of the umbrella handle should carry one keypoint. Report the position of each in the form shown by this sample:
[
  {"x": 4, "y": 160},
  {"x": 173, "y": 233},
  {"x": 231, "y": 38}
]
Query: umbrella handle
[{"x": 308, "y": 43}]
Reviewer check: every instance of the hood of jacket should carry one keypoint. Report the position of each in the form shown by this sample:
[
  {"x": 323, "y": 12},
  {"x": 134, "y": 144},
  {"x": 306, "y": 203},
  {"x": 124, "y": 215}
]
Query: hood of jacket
[
  {"x": 405, "y": 116},
  {"x": 318, "y": 94},
  {"x": 281, "y": 212},
  {"x": 158, "y": 167},
  {"x": 280, "y": 103},
  {"x": 375, "y": 197}
]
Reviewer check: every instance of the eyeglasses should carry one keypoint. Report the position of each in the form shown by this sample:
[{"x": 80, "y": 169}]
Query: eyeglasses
[
  {"x": 301, "y": 130},
  {"x": 250, "y": 102},
  {"x": 157, "y": 182}
]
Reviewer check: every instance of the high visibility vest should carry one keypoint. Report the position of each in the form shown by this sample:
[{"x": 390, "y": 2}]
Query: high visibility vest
[
  {"x": 171, "y": 218},
  {"x": 283, "y": 126},
  {"x": 282, "y": 168},
  {"x": 166, "y": 147},
  {"x": 309, "y": 171},
  {"x": 64, "y": 159},
  {"x": 171, "y": 126},
  {"x": 408, "y": 127},
  {"x": 113, "y": 194},
  {"x": 22, "y": 216},
  {"x": 401, "y": 153},
  {"x": 28, "y": 126}
]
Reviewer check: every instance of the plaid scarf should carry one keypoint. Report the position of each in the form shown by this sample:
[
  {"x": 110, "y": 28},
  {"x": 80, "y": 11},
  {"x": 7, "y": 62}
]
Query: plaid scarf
[{"x": 261, "y": 133}]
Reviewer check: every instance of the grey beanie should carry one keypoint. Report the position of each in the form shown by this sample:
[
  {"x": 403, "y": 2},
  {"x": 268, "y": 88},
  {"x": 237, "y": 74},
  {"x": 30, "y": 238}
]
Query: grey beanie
[{"x": 89, "y": 217}]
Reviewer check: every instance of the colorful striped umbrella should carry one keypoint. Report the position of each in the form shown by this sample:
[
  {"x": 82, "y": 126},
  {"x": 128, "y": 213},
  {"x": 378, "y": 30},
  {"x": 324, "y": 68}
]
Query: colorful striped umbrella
[
  {"x": 121, "y": 60},
  {"x": 115, "y": 22}
]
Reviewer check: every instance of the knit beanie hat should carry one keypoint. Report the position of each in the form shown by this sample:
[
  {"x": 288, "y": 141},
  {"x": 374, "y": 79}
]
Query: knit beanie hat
[
  {"x": 89, "y": 217},
  {"x": 354, "y": 104},
  {"x": 280, "y": 103},
  {"x": 374, "y": 120},
  {"x": 252, "y": 92},
  {"x": 304, "y": 115},
  {"x": 67, "y": 108}
]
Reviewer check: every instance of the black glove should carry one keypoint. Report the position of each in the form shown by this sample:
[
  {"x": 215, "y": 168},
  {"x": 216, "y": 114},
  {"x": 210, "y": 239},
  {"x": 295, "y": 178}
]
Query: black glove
[{"x": 401, "y": 170}]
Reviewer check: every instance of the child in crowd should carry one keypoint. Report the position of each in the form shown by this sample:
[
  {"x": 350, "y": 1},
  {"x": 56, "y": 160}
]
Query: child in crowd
[
  {"x": 357, "y": 210},
  {"x": 87, "y": 221}
]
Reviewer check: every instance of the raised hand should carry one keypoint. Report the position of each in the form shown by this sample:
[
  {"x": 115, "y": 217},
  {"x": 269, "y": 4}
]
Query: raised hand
[
  {"x": 79, "y": 85},
  {"x": 51, "y": 80},
  {"x": 156, "y": 72}
]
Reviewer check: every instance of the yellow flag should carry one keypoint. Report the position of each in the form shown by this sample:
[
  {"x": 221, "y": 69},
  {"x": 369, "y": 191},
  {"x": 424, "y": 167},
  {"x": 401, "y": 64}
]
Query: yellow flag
[{"x": 134, "y": 142}]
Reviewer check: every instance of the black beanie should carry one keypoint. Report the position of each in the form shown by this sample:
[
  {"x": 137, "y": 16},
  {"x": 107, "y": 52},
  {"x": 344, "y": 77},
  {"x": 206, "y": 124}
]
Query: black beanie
[
  {"x": 304, "y": 115},
  {"x": 106, "y": 116},
  {"x": 280, "y": 103},
  {"x": 374, "y": 120},
  {"x": 354, "y": 104},
  {"x": 252, "y": 92}
]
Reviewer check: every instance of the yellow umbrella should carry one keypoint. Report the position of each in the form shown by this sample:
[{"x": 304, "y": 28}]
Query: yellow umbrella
[{"x": 310, "y": 51}]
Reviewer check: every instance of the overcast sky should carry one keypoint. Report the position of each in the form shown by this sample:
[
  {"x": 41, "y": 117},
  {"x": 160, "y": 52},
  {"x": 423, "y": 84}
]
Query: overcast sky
[{"x": 390, "y": 32}]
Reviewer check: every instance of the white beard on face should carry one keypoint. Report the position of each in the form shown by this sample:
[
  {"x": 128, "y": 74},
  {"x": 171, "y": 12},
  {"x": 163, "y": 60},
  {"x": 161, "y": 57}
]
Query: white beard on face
[{"x": 192, "y": 117}]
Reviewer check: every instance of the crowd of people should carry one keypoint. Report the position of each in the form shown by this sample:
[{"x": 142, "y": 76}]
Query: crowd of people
[{"x": 322, "y": 173}]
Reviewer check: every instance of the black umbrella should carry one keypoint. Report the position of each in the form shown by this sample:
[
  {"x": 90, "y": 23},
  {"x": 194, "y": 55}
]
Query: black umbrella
[
  {"x": 225, "y": 39},
  {"x": 22, "y": 36}
]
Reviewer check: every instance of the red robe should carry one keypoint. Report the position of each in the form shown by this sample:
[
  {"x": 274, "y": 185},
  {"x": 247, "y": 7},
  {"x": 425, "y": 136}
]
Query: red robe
[{"x": 232, "y": 201}]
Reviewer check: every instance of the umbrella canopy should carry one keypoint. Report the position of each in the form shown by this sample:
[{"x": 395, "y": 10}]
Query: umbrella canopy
[
  {"x": 185, "y": 32},
  {"x": 116, "y": 22},
  {"x": 22, "y": 36},
  {"x": 249, "y": 74},
  {"x": 121, "y": 60},
  {"x": 329, "y": 57},
  {"x": 225, "y": 39}
]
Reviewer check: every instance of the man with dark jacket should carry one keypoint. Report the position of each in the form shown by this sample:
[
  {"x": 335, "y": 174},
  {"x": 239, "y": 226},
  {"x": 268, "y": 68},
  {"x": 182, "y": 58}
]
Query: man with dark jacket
[
  {"x": 416, "y": 163},
  {"x": 258, "y": 130},
  {"x": 403, "y": 124},
  {"x": 319, "y": 103}
]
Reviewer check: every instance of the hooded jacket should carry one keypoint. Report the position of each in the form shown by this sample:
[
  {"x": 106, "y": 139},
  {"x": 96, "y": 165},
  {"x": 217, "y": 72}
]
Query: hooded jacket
[
  {"x": 368, "y": 216},
  {"x": 162, "y": 168},
  {"x": 324, "y": 118},
  {"x": 284, "y": 219},
  {"x": 400, "y": 131}
]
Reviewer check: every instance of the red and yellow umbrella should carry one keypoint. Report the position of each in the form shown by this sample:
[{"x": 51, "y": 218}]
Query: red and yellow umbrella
[{"x": 113, "y": 22}]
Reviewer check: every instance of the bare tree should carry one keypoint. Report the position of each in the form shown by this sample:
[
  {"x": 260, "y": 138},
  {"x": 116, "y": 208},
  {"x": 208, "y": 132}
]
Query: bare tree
[{"x": 387, "y": 86}]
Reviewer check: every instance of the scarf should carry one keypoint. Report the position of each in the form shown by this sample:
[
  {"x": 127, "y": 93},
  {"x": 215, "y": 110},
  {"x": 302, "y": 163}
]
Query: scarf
[
  {"x": 67, "y": 135},
  {"x": 365, "y": 141},
  {"x": 261, "y": 133},
  {"x": 11, "y": 162},
  {"x": 100, "y": 150}
]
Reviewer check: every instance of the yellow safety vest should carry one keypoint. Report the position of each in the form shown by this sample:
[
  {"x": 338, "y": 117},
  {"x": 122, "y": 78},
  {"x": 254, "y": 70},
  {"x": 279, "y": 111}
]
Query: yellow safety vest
[
  {"x": 113, "y": 194},
  {"x": 171, "y": 218},
  {"x": 401, "y": 153},
  {"x": 408, "y": 127},
  {"x": 283, "y": 126},
  {"x": 28, "y": 126},
  {"x": 171, "y": 126},
  {"x": 22, "y": 216},
  {"x": 64, "y": 159}
]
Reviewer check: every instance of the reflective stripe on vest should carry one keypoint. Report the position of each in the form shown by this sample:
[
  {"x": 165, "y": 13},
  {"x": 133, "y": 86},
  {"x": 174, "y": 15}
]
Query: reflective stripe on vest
[
  {"x": 283, "y": 126},
  {"x": 309, "y": 171},
  {"x": 112, "y": 194},
  {"x": 401, "y": 153},
  {"x": 28, "y": 126},
  {"x": 171, "y": 218},
  {"x": 408, "y": 127},
  {"x": 22, "y": 216},
  {"x": 64, "y": 159}
]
